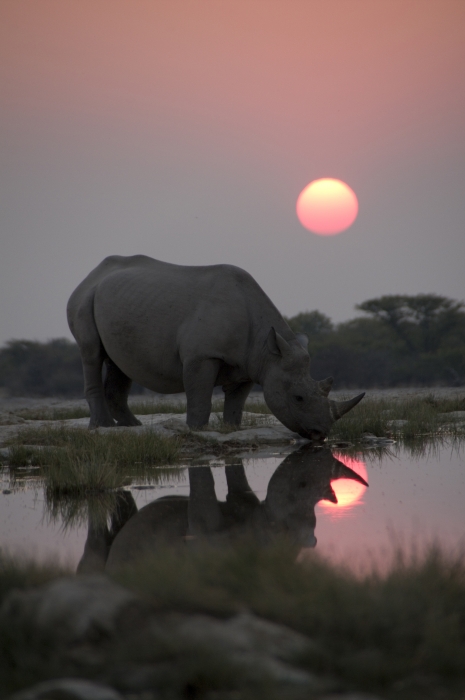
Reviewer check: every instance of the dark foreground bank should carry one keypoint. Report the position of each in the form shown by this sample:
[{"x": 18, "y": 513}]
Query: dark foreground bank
[{"x": 198, "y": 622}]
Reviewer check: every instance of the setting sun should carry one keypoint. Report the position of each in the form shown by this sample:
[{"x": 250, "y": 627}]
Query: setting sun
[{"x": 327, "y": 206}]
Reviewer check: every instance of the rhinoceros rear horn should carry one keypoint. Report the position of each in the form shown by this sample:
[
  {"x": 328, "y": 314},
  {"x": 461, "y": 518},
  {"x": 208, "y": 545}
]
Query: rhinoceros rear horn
[
  {"x": 325, "y": 385},
  {"x": 340, "y": 408}
]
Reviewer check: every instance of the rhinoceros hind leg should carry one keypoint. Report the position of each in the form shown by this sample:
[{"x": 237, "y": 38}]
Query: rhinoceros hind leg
[
  {"x": 234, "y": 401},
  {"x": 199, "y": 377},
  {"x": 99, "y": 414},
  {"x": 117, "y": 386}
]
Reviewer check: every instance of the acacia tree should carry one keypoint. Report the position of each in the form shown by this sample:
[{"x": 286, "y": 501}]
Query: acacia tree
[
  {"x": 422, "y": 322},
  {"x": 311, "y": 323}
]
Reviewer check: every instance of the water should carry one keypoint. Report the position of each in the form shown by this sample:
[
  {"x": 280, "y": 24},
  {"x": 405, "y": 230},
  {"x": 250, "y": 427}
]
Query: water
[{"x": 411, "y": 499}]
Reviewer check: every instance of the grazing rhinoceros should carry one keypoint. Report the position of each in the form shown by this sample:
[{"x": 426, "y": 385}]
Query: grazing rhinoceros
[{"x": 173, "y": 328}]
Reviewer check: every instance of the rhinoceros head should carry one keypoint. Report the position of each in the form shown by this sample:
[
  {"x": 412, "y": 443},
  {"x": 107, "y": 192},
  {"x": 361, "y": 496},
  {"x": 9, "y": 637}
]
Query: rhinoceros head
[{"x": 297, "y": 400}]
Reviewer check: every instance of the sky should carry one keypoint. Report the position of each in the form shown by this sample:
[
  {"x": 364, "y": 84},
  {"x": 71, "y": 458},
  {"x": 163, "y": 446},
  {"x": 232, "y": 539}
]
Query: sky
[{"x": 186, "y": 129}]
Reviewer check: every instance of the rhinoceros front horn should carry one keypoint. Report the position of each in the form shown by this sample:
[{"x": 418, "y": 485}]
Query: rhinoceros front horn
[{"x": 339, "y": 408}]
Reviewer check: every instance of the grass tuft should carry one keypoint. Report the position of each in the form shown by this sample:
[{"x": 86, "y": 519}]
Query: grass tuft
[
  {"x": 426, "y": 417},
  {"x": 76, "y": 462}
]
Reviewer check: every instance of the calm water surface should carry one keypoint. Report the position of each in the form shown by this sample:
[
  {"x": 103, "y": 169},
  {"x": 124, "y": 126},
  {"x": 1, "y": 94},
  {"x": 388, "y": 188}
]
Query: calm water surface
[{"x": 410, "y": 499}]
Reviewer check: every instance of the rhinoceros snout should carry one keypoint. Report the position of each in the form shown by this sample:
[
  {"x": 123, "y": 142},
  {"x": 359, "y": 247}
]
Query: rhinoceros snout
[{"x": 313, "y": 435}]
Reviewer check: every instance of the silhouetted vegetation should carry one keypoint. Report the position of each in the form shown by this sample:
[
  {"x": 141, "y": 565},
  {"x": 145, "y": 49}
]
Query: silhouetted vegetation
[
  {"x": 405, "y": 340},
  {"x": 30, "y": 368}
]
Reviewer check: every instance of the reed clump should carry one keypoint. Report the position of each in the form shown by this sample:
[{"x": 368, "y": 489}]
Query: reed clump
[
  {"x": 402, "y": 419},
  {"x": 77, "y": 461}
]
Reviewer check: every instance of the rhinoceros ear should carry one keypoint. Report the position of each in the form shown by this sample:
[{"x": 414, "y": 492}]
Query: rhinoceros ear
[
  {"x": 325, "y": 385},
  {"x": 276, "y": 343}
]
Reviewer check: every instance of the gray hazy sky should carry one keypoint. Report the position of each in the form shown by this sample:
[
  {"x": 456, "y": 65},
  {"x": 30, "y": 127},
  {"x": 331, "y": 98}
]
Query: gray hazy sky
[{"x": 185, "y": 130}]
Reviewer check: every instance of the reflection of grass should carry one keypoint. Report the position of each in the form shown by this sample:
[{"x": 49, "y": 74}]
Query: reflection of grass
[
  {"x": 73, "y": 509},
  {"x": 401, "y": 634},
  {"x": 95, "y": 497},
  {"x": 424, "y": 417}
]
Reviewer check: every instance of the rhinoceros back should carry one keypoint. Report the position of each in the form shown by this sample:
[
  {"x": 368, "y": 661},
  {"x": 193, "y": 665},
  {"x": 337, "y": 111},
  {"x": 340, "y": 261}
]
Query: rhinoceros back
[{"x": 152, "y": 316}]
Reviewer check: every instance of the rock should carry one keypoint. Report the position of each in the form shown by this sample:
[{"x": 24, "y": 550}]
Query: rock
[
  {"x": 68, "y": 689},
  {"x": 399, "y": 423},
  {"x": 257, "y": 648},
  {"x": 350, "y": 696},
  {"x": 90, "y": 627},
  {"x": 265, "y": 435},
  {"x": 453, "y": 415},
  {"x": 68, "y": 627},
  {"x": 176, "y": 425},
  {"x": 10, "y": 419},
  {"x": 368, "y": 437}
]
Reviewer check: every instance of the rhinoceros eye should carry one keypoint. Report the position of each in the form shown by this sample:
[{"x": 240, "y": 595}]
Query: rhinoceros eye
[{"x": 299, "y": 398}]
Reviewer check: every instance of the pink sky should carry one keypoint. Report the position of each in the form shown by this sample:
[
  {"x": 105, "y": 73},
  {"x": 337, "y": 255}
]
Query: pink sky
[{"x": 186, "y": 130}]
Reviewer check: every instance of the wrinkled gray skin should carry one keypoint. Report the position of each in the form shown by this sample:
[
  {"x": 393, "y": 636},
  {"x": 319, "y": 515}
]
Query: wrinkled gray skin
[
  {"x": 173, "y": 328},
  {"x": 299, "y": 483}
]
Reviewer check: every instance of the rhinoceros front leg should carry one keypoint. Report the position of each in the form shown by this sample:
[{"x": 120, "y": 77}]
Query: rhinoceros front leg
[
  {"x": 199, "y": 377},
  {"x": 116, "y": 387},
  {"x": 234, "y": 402}
]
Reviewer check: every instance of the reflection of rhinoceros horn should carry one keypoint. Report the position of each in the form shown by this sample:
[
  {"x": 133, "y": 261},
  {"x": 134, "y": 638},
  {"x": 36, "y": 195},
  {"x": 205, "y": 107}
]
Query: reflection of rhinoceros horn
[{"x": 340, "y": 471}]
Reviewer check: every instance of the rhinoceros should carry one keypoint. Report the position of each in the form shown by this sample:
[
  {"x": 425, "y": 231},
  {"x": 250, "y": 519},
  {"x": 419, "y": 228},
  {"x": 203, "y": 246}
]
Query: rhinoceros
[{"x": 175, "y": 328}]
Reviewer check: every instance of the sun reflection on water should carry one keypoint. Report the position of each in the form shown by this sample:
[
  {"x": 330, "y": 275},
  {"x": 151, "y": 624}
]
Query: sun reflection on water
[{"x": 348, "y": 492}]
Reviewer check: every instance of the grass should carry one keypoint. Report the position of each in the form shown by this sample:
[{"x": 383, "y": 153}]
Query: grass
[
  {"x": 373, "y": 632},
  {"x": 78, "y": 462},
  {"x": 249, "y": 420},
  {"x": 401, "y": 634},
  {"x": 141, "y": 408},
  {"x": 48, "y": 413},
  {"x": 423, "y": 415}
]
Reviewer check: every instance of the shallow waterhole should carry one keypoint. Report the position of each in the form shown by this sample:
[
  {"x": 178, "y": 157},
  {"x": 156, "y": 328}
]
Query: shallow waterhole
[{"x": 414, "y": 498}]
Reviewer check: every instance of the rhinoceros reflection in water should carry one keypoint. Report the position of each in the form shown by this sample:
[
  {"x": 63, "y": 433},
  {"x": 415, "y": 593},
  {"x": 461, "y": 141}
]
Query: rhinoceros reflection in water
[{"x": 300, "y": 481}]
